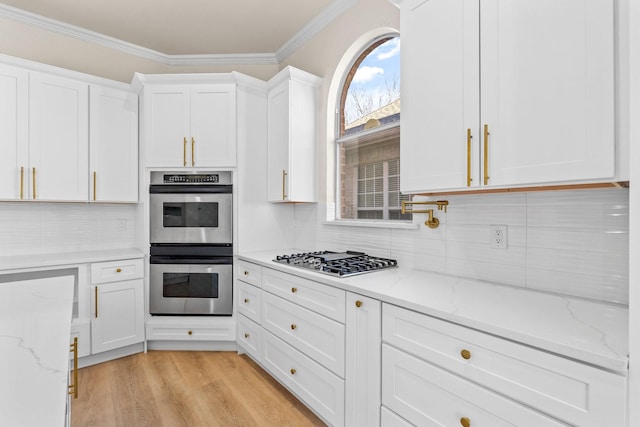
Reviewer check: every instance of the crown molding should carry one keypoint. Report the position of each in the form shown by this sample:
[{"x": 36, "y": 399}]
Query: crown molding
[{"x": 316, "y": 25}]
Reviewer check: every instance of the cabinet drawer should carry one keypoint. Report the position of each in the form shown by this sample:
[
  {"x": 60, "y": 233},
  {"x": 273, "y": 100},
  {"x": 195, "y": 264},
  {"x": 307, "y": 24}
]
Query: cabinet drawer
[
  {"x": 249, "y": 336},
  {"x": 250, "y": 273},
  {"x": 314, "y": 385},
  {"x": 320, "y": 338},
  {"x": 315, "y": 296},
  {"x": 568, "y": 390},
  {"x": 427, "y": 395},
  {"x": 225, "y": 331},
  {"x": 389, "y": 418},
  {"x": 113, "y": 271},
  {"x": 249, "y": 301}
]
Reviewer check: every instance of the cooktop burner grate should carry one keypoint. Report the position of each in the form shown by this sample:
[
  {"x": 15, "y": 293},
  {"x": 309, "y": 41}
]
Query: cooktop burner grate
[{"x": 340, "y": 264}]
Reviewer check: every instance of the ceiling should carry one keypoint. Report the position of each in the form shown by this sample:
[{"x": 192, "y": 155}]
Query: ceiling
[{"x": 267, "y": 29}]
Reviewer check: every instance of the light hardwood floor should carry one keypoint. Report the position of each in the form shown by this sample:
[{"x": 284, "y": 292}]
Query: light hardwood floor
[{"x": 184, "y": 388}]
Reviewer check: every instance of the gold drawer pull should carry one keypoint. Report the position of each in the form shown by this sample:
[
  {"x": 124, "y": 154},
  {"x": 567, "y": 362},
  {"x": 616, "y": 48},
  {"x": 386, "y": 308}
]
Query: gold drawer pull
[
  {"x": 294, "y": 290},
  {"x": 358, "y": 303},
  {"x": 246, "y": 300},
  {"x": 465, "y": 422},
  {"x": 466, "y": 354},
  {"x": 246, "y": 335},
  {"x": 246, "y": 273},
  {"x": 118, "y": 270},
  {"x": 293, "y": 326},
  {"x": 293, "y": 371},
  {"x": 190, "y": 332}
]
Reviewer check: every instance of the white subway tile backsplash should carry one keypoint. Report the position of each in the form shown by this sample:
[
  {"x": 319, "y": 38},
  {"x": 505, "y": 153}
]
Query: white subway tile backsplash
[
  {"x": 37, "y": 228},
  {"x": 572, "y": 242}
]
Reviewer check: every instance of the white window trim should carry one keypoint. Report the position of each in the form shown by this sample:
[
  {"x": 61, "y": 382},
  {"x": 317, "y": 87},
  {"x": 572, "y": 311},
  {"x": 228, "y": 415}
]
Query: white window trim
[{"x": 393, "y": 224}]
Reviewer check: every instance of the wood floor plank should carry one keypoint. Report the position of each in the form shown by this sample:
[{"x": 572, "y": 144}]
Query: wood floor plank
[{"x": 183, "y": 388}]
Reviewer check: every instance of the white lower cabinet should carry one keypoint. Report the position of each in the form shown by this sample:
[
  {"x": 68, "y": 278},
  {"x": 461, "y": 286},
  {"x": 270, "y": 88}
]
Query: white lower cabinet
[
  {"x": 118, "y": 305},
  {"x": 429, "y": 396},
  {"x": 362, "y": 361},
  {"x": 319, "y": 388},
  {"x": 435, "y": 372},
  {"x": 320, "y": 338},
  {"x": 250, "y": 336}
]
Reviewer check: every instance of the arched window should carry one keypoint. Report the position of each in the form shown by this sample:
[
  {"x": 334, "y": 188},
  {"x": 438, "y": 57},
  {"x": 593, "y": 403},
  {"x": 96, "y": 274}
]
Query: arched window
[{"x": 368, "y": 135}]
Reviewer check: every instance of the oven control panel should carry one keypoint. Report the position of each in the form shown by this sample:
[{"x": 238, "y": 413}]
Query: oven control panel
[{"x": 160, "y": 178}]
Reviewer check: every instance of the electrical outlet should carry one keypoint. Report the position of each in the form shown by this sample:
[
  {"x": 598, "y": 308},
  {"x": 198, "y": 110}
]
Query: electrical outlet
[
  {"x": 498, "y": 236},
  {"x": 122, "y": 224}
]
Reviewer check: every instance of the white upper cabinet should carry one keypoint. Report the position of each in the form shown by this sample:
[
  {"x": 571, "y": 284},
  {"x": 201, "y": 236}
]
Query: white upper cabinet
[
  {"x": 501, "y": 93},
  {"x": 292, "y": 128},
  {"x": 113, "y": 151},
  {"x": 58, "y": 138},
  {"x": 14, "y": 142},
  {"x": 190, "y": 125}
]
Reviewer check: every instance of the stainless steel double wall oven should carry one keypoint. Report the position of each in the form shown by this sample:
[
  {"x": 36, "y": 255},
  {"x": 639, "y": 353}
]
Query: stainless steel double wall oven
[{"x": 191, "y": 264}]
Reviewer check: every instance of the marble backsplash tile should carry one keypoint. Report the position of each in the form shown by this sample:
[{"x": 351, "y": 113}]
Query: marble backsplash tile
[{"x": 571, "y": 242}]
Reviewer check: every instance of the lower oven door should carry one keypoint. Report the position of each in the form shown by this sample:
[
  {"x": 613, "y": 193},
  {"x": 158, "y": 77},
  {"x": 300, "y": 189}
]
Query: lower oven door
[{"x": 191, "y": 289}]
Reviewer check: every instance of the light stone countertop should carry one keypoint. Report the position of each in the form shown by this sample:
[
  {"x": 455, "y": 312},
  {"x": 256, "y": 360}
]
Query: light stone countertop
[
  {"x": 35, "y": 325},
  {"x": 592, "y": 332},
  {"x": 20, "y": 262}
]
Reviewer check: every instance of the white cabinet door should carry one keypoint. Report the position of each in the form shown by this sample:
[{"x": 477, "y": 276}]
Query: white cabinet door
[
  {"x": 14, "y": 142},
  {"x": 548, "y": 90},
  {"x": 292, "y": 124},
  {"x": 118, "y": 317},
  {"x": 58, "y": 138},
  {"x": 113, "y": 150},
  {"x": 278, "y": 151},
  {"x": 362, "y": 361},
  {"x": 167, "y": 117},
  {"x": 213, "y": 126},
  {"x": 440, "y": 94},
  {"x": 190, "y": 125},
  {"x": 538, "y": 74}
]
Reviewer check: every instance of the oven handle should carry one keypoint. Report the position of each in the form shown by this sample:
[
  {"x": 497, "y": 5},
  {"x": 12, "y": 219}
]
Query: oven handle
[
  {"x": 190, "y": 260},
  {"x": 190, "y": 189}
]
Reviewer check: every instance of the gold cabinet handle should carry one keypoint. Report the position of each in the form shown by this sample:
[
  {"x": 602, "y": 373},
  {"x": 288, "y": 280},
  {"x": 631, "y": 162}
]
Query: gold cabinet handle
[
  {"x": 294, "y": 290},
  {"x": 96, "y": 301},
  {"x": 189, "y": 332},
  {"x": 246, "y": 300},
  {"x": 284, "y": 178},
  {"x": 73, "y": 388},
  {"x": 33, "y": 174},
  {"x": 293, "y": 326},
  {"x": 469, "y": 179},
  {"x": 193, "y": 151},
  {"x": 184, "y": 151},
  {"x": 358, "y": 303},
  {"x": 465, "y": 422},
  {"x": 21, "y": 182},
  {"x": 246, "y": 273},
  {"x": 246, "y": 335},
  {"x": 486, "y": 154},
  {"x": 118, "y": 270},
  {"x": 94, "y": 185},
  {"x": 293, "y": 371},
  {"x": 466, "y": 354}
]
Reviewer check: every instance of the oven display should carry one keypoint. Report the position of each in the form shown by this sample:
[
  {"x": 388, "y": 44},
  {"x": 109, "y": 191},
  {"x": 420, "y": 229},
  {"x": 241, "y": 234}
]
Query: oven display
[
  {"x": 190, "y": 214},
  {"x": 190, "y": 285},
  {"x": 191, "y": 179}
]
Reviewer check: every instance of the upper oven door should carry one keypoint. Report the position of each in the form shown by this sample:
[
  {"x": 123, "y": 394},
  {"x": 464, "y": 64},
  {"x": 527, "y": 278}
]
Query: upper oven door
[{"x": 190, "y": 218}]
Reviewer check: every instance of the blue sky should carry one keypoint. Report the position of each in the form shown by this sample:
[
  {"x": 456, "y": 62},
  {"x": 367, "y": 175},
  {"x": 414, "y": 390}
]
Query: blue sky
[{"x": 378, "y": 69}]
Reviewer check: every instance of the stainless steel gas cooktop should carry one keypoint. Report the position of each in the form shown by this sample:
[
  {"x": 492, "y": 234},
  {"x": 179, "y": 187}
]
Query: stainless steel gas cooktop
[{"x": 340, "y": 264}]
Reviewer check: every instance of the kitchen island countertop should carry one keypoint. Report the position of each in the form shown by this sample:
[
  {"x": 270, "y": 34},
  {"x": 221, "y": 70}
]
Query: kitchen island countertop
[{"x": 585, "y": 330}]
